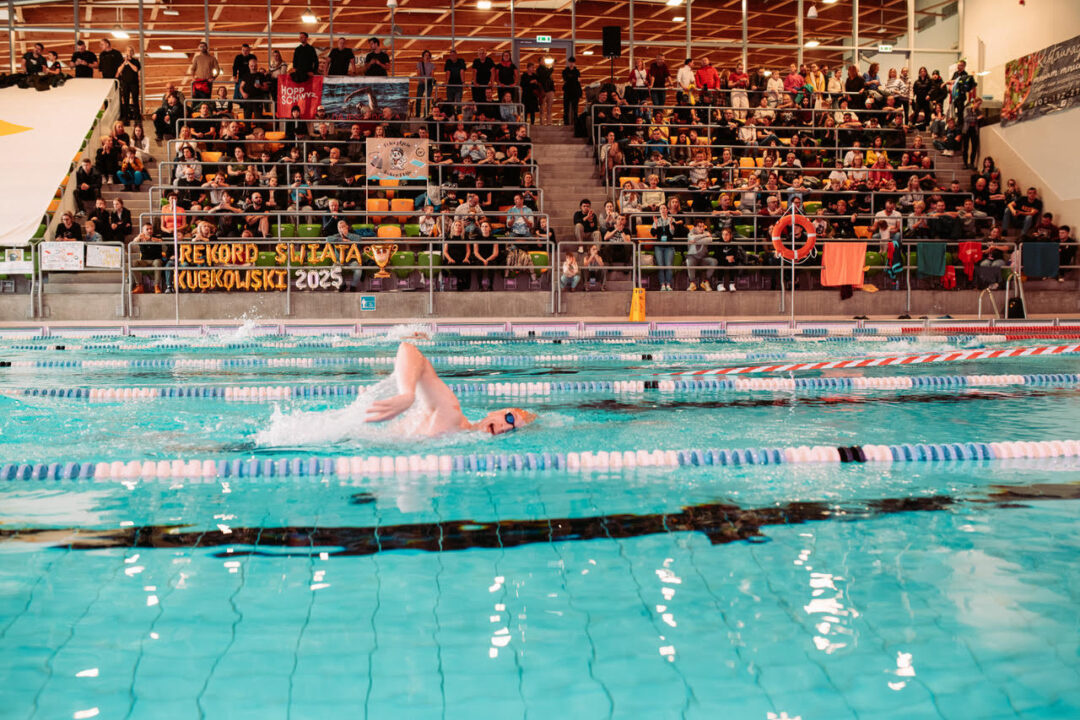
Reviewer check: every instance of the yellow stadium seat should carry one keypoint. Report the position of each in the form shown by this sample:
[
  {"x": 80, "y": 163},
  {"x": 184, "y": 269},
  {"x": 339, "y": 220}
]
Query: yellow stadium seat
[
  {"x": 54, "y": 205},
  {"x": 404, "y": 205},
  {"x": 210, "y": 156},
  {"x": 377, "y": 205},
  {"x": 389, "y": 231},
  {"x": 862, "y": 231},
  {"x": 635, "y": 180}
]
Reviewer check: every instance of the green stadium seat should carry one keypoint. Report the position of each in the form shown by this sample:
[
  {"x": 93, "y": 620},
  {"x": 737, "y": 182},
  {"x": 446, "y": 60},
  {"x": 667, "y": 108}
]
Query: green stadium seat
[
  {"x": 744, "y": 231},
  {"x": 426, "y": 259},
  {"x": 309, "y": 231},
  {"x": 876, "y": 263},
  {"x": 40, "y": 232},
  {"x": 288, "y": 230},
  {"x": 540, "y": 259},
  {"x": 403, "y": 258},
  {"x": 812, "y": 206},
  {"x": 412, "y": 230},
  {"x": 266, "y": 259}
]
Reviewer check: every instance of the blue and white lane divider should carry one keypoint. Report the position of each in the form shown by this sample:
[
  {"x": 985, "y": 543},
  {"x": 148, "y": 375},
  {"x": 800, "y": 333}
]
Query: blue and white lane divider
[
  {"x": 352, "y": 466},
  {"x": 269, "y": 393}
]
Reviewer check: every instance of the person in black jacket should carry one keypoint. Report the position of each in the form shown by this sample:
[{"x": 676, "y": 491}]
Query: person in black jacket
[
  {"x": 305, "y": 60},
  {"x": 571, "y": 76},
  {"x": 87, "y": 183},
  {"x": 921, "y": 88},
  {"x": 119, "y": 222},
  {"x": 166, "y": 117},
  {"x": 107, "y": 159},
  {"x": 100, "y": 216},
  {"x": 68, "y": 229},
  {"x": 109, "y": 61},
  {"x": 83, "y": 61}
]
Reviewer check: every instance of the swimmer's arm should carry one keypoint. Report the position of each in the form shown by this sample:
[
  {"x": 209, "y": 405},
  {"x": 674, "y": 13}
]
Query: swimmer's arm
[{"x": 414, "y": 373}]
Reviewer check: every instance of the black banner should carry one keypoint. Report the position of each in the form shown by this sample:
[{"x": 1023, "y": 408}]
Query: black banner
[{"x": 1042, "y": 82}]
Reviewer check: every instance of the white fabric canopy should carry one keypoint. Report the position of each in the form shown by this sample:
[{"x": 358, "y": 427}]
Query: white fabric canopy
[{"x": 37, "y": 158}]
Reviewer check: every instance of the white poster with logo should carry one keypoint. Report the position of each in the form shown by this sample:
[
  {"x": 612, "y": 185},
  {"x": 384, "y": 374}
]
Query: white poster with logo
[
  {"x": 62, "y": 255},
  {"x": 13, "y": 262},
  {"x": 397, "y": 158},
  {"x": 103, "y": 256}
]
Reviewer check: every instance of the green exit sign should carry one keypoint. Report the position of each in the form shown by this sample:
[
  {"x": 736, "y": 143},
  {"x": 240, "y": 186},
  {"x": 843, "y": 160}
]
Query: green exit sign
[
  {"x": 543, "y": 38},
  {"x": 884, "y": 48}
]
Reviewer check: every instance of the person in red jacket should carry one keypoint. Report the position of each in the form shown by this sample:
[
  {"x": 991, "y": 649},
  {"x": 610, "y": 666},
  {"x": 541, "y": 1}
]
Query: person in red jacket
[{"x": 706, "y": 78}]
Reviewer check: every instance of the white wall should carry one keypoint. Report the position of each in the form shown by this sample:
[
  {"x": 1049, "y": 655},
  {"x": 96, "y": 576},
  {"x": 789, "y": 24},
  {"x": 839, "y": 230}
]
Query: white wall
[
  {"x": 1041, "y": 153},
  {"x": 942, "y": 34},
  {"x": 1008, "y": 30}
]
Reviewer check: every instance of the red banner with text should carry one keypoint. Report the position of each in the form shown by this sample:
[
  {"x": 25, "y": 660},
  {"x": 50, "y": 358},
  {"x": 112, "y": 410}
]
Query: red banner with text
[{"x": 306, "y": 96}]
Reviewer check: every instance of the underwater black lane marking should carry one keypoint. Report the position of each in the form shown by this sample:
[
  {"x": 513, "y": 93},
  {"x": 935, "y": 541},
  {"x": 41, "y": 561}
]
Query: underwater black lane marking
[{"x": 720, "y": 522}]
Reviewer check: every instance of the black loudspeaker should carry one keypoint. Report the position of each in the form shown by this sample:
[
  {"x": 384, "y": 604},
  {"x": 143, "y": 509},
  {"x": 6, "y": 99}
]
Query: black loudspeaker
[{"x": 612, "y": 41}]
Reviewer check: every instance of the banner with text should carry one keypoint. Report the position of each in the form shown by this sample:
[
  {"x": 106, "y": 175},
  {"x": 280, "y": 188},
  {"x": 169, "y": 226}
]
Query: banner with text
[
  {"x": 1042, "y": 82},
  {"x": 397, "y": 158},
  {"x": 343, "y": 98}
]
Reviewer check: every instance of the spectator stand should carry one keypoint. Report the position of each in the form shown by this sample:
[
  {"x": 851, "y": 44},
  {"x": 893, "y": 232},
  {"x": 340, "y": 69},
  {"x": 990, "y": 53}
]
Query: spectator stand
[{"x": 290, "y": 249}]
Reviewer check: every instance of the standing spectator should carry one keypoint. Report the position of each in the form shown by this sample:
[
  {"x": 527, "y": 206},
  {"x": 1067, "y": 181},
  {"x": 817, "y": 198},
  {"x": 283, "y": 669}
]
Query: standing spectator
[
  {"x": 530, "y": 93},
  {"x": 483, "y": 67},
  {"x": 204, "y": 68},
  {"x": 660, "y": 77},
  {"x": 739, "y": 82},
  {"x": 455, "y": 79},
  {"x": 961, "y": 86},
  {"x": 342, "y": 59},
  {"x": 376, "y": 62},
  {"x": 128, "y": 74},
  {"x": 425, "y": 83},
  {"x": 571, "y": 76},
  {"x": 109, "y": 61},
  {"x": 83, "y": 61},
  {"x": 706, "y": 78},
  {"x": 254, "y": 86},
  {"x": 595, "y": 268},
  {"x": 277, "y": 68},
  {"x": 684, "y": 82},
  {"x": 663, "y": 229},
  {"x": 240, "y": 69},
  {"x": 34, "y": 60},
  {"x": 697, "y": 255},
  {"x": 637, "y": 87},
  {"x": 305, "y": 60},
  {"x": 920, "y": 114},
  {"x": 506, "y": 75},
  {"x": 969, "y": 148},
  {"x": 546, "y": 82}
]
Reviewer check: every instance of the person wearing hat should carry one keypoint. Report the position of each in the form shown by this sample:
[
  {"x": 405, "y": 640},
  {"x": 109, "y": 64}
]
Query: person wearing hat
[{"x": 571, "y": 76}]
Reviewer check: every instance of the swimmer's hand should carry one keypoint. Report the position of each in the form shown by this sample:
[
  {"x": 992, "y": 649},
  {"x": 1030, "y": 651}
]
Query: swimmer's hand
[{"x": 390, "y": 408}]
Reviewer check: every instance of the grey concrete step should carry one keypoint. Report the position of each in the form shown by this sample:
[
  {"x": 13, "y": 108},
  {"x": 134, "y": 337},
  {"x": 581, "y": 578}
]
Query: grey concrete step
[{"x": 82, "y": 289}]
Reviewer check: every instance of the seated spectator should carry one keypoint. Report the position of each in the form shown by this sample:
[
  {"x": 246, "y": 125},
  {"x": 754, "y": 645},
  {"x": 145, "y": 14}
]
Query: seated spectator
[
  {"x": 342, "y": 233},
  {"x": 1066, "y": 251},
  {"x": 87, "y": 184},
  {"x": 520, "y": 221},
  {"x": 68, "y": 229},
  {"x": 119, "y": 221},
  {"x": 152, "y": 253},
  {"x": 256, "y": 218},
  {"x": 570, "y": 275},
  {"x": 107, "y": 159},
  {"x": 166, "y": 117},
  {"x": 586, "y": 225},
  {"x": 131, "y": 173},
  {"x": 100, "y": 216},
  {"x": 969, "y": 221},
  {"x": 1026, "y": 209},
  {"x": 173, "y": 222},
  {"x": 90, "y": 233},
  {"x": 1045, "y": 229}
]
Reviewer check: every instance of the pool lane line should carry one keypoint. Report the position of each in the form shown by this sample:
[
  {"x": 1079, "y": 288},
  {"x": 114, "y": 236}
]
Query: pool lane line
[
  {"x": 957, "y": 356},
  {"x": 342, "y": 466},
  {"x": 272, "y": 393}
]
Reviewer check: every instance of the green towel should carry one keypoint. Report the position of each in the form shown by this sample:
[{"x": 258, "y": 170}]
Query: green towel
[{"x": 931, "y": 259}]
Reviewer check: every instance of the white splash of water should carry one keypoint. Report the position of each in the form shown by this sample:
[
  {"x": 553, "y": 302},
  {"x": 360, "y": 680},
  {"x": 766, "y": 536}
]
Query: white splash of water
[{"x": 302, "y": 427}]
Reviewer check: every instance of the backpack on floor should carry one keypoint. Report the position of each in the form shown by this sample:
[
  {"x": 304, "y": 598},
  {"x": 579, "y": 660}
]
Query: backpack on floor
[{"x": 1015, "y": 309}]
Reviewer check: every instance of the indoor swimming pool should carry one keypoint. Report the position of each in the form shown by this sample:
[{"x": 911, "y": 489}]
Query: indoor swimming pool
[{"x": 201, "y": 525}]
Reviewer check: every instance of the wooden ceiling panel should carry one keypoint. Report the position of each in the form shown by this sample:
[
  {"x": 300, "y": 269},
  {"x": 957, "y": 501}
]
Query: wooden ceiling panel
[{"x": 771, "y": 22}]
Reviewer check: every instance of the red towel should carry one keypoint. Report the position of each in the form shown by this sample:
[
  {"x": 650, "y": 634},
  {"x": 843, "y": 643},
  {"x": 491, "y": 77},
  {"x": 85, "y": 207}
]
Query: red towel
[
  {"x": 842, "y": 263},
  {"x": 970, "y": 253}
]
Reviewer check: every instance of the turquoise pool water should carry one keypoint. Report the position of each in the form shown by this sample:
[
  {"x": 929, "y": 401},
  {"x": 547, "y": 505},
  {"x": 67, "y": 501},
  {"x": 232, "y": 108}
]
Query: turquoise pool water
[{"x": 843, "y": 591}]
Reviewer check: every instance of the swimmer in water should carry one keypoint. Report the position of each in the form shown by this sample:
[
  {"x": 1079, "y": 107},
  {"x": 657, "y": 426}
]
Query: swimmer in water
[{"x": 418, "y": 382}]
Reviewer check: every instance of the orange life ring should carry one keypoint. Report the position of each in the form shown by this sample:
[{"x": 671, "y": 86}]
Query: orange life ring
[{"x": 778, "y": 243}]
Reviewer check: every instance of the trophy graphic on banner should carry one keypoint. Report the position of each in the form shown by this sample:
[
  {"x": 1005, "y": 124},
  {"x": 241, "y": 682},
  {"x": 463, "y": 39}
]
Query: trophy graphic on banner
[{"x": 381, "y": 255}]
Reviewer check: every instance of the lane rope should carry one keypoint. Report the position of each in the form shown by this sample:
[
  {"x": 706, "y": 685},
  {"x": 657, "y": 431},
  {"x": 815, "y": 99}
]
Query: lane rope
[
  {"x": 958, "y": 356},
  {"x": 370, "y": 466},
  {"x": 271, "y": 393}
]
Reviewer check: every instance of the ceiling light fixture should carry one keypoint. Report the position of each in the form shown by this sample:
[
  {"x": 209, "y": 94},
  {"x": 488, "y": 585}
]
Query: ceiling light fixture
[
  {"x": 483, "y": 4},
  {"x": 830, "y": 2},
  {"x": 678, "y": 18},
  {"x": 172, "y": 13},
  {"x": 587, "y": 52},
  {"x": 812, "y": 12},
  {"x": 812, "y": 43},
  {"x": 165, "y": 47},
  {"x": 309, "y": 17},
  {"x": 549, "y": 61},
  {"x": 673, "y": 3},
  {"x": 120, "y": 33}
]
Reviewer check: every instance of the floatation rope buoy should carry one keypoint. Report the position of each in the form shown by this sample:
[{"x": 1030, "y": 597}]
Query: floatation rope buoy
[{"x": 786, "y": 252}]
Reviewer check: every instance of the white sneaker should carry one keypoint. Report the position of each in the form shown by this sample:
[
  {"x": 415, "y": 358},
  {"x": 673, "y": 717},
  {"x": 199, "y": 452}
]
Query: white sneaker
[
  {"x": 731, "y": 287},
  {"x": 720, "y": 287},
  {"x": 705, "y": 285}
]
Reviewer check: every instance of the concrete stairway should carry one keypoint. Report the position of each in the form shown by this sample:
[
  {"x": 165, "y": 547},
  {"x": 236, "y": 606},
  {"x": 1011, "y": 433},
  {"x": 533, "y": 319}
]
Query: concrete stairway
[
  {"x": 567, "y": 174},
  {"x": 98, "y": 282}
]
